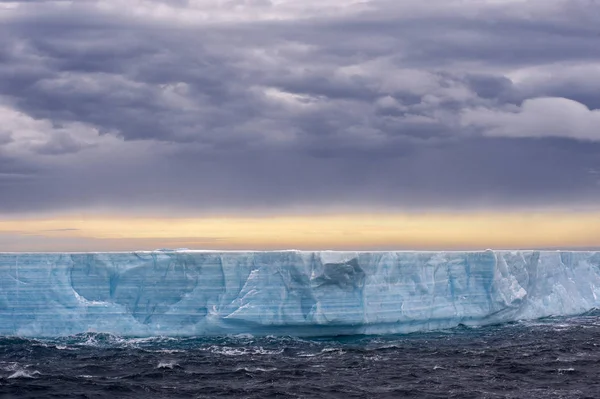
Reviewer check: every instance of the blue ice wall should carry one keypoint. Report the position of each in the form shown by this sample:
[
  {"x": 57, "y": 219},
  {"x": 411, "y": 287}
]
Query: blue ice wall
[{"x": 288, "y": 292}]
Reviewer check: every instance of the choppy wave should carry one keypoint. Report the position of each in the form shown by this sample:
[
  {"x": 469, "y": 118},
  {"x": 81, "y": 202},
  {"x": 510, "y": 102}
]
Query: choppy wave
[{"x": 553, "y": 357}]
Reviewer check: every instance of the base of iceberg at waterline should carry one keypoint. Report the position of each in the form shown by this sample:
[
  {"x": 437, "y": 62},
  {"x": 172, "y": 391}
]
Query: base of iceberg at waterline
[{"x": 195, "y": 293}]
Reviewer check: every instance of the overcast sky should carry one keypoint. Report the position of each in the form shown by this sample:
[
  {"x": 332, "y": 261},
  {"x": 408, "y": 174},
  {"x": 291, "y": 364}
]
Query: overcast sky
[{"x": 249, "y": 106}]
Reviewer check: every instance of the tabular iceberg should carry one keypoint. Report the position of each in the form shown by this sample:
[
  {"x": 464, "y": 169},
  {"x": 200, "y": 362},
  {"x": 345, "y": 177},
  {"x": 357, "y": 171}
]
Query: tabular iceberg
[{"x": 193, "y": 293}]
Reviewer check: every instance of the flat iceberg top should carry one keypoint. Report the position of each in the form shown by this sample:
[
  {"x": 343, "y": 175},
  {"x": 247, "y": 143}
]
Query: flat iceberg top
[
  {"x": 259, "y": 251},
  {"x": 304, "y": 293}
]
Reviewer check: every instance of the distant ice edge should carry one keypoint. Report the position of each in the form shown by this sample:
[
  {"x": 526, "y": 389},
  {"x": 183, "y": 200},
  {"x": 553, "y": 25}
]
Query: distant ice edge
[{"x": 188, "y": 293}]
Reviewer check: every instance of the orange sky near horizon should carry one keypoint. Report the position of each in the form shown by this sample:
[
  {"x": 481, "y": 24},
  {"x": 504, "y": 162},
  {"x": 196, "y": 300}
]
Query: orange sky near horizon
[{"x": 431, "y": 231}]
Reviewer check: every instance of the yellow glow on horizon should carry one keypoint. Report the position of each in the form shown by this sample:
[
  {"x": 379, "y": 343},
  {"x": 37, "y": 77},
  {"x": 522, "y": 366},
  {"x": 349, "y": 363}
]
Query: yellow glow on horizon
[{"x": 352, "y": 231}]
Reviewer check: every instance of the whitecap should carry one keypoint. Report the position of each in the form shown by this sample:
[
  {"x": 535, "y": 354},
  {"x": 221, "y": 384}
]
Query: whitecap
[
  {"x": 167, "y": 365},
  {"x": 333, "y": 350},
  {"x": 569, "y": 370},
  {"x": 23, "y": 374},
  {"x": 308, "y": 354},
  {"x": 229, "y": 351},
  {"x": 169, "y": 351}
]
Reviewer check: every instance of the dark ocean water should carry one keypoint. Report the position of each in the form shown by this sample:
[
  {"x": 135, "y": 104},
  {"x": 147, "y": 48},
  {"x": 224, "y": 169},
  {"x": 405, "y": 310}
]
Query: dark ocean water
[{"x": 551, "y": 358}]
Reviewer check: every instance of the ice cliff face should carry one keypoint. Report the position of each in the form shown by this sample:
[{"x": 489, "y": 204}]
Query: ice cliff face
[{"x": 291, "y": 292}]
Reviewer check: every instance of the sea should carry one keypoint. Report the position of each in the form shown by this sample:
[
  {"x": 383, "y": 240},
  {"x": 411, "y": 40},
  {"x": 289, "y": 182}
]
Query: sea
[{"x": 549, "y": 358}]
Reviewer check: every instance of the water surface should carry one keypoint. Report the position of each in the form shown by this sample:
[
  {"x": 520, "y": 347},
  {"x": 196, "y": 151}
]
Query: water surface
[{"x": 551, "y": 358}]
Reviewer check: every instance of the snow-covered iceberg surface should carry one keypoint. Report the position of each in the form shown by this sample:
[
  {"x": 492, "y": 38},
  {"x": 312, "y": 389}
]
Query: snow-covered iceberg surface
[{"x": 289, "y": 292}]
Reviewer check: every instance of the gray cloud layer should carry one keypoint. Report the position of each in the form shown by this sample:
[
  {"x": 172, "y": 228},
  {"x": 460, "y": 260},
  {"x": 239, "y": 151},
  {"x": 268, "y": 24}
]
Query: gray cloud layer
[{"x": 202, "y": 106}]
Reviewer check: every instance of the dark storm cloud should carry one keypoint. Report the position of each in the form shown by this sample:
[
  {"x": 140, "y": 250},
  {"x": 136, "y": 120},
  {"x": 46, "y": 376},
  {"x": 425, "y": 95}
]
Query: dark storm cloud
[{"x": 208, "y": 108}]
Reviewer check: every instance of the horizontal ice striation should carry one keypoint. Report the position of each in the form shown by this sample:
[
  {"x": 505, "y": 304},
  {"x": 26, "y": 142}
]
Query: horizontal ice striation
[{"x": 290, "y": 292}]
